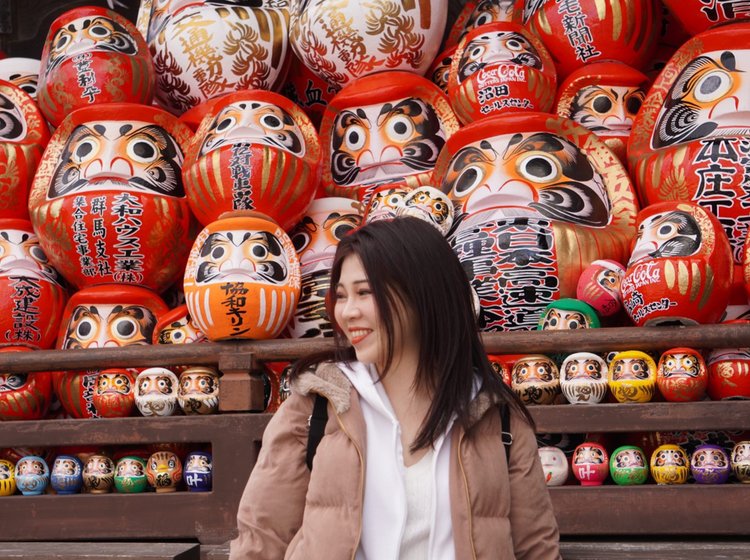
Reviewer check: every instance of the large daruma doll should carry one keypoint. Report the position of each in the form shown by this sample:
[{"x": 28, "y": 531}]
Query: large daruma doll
[
  {"x": 690, "y": 139},
  {"x": 255, "y": 150},
  {"x": 500, "y": 68},
  {"x": 105, "y": 316},
  {"x": 23, "y": 136},
  {"x": 108, "y": 202},
  {"x": 385, "y": 128},
  {"x": 242, "y": 279},
  {"x": 91, "y": 56},
  {"x": 537, "y": 199},
  {"x": 680, "y": 269}
]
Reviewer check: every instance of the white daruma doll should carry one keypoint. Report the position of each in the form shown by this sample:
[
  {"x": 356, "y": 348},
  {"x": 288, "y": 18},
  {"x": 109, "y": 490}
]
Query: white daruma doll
[
  {"x": 740, "y": 461},
  {"x": 554, "y": 464},
  {"x": 242, "y": 280},
  {"x": 156, "y": 392},
  {"x": 583, "y": 378}
]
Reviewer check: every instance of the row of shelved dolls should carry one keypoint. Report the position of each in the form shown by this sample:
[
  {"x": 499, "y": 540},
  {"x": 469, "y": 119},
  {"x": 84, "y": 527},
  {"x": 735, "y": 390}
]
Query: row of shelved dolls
[
  {"x": 591, "y": 465},
  {"x": 158, "y": 468}
]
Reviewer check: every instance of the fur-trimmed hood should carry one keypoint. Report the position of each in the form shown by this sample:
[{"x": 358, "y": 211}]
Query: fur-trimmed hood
[{"x": 328, "y": 380}]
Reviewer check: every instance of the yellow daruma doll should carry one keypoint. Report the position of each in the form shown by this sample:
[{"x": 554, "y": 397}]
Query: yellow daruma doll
[
  {"x": 632, "y": 376},
  {"x": 242, "y": 279}
]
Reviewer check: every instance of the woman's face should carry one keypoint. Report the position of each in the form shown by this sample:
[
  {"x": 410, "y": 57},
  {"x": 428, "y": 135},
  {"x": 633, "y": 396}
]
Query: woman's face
[{"x": 356, "y": 313}]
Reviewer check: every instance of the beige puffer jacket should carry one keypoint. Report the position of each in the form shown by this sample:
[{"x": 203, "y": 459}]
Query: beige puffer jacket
[{"x": 288, "y": 512}]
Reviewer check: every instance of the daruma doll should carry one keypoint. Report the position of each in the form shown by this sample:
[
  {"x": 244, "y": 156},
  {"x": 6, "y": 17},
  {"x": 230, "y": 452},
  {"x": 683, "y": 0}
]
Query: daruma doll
[
  {"x": 108, "y": 202},
  {"x": 254, "y": 150},
  {"x": 242, "y": 280},
  {"x": 92, "y": 56}
]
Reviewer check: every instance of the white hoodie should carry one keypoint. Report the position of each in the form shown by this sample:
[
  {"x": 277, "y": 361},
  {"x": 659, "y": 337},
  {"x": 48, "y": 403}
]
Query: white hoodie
[{"x": 384, "y": 510}]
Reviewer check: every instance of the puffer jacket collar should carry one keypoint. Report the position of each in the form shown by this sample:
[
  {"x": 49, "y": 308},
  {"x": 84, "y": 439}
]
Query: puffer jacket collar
[{"x": 328, "y": 380}]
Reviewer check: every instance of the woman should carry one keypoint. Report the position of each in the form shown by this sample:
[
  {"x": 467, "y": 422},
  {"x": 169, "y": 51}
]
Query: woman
[{"x": 412, "y": 463}]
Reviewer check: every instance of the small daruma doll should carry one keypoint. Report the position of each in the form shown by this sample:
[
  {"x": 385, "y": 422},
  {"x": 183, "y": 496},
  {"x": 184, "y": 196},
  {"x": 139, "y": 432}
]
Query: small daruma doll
[
  {"x": 385, "y": 128},
  {"x": 568, "y": 314},
  {"x": 108, "y": 202},
  {"x": 164, "y": 471},
  {"x": 500, "y": 68},
  {"x": 554, "y": 464},
  {"x": 32, "y": 297},
  {"x": 605, "y": 97},
  {"x": 198, "y": 471},
  {"x": 67, "y": 474},
  {"x": 114, "y": 392},
  {"x": 130, "y": 475},
  {"x": 670, "y": 464},
  {"x": 156, "y": 392},
  {"x": 92, "y": 56},
  {"x": 23, "y": 137},
  {"x": 326, "y": 221},
  {"x": 709, "y": 464},
  {"x": 680, "y": 270},
  {"x": 628, "y": 466},
  {"x": 243, "y": 137},
  {"x": 632, "y": 376},
  {"x": 583, "y": 378},
  {"x": 741, "y": 461},
  {"x": 99, "y": 474},
  {"x": 106, "y": 316},
  {"x": 198, "y": 391},
  {"x": 32, "y": 475},
  {"x": 599, "y": 286},
  {"x": 729, "y": 371},
  {"x": 536, "y": 379},
  {"x": 682, "y": 375},
  {"x": 7, "y": 478},
  {"x": 590, "y": 464},
  {"x": 242, "y": 280}
]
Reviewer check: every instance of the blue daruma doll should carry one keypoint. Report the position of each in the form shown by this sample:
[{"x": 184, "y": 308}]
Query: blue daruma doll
[
  {"x": 67, "y": 475},
  {"x": 198, "y": 471},
  {"x": 32, "y": 475}
]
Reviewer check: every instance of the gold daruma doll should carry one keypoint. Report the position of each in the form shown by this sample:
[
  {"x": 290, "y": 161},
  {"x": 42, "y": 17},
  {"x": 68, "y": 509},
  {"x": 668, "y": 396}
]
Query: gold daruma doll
[
  {"x": 632, "y": 376},
  {"x": 254, "y": 150},
  {"x": 670, "y": 464},
  {"x": 242, "y": 279}
]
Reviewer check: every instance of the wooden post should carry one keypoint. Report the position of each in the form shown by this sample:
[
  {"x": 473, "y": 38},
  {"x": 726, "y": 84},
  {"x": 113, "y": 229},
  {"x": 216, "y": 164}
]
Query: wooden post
[{"x": 240, "y": 389}]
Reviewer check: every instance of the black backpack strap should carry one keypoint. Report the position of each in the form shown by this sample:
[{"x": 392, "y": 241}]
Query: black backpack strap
[
  {"x": 317, "y": 423},
  {"x": 505, "y": 434}
]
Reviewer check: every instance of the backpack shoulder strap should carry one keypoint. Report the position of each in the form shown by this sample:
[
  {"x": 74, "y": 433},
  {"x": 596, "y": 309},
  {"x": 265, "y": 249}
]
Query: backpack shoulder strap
[
  {"x": 317, "y": 423},
  {"x": 505, "y": 434}
]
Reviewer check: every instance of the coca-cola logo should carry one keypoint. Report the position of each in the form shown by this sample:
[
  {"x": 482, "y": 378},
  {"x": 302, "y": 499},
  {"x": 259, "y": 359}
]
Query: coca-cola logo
[
  {"x": 501, "y": 73},
  {"x": 641, "y": 275}
]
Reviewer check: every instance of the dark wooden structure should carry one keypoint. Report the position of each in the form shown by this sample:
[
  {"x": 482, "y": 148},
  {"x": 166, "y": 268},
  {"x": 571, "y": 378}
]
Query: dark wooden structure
[{"x": 626, "y": 513}]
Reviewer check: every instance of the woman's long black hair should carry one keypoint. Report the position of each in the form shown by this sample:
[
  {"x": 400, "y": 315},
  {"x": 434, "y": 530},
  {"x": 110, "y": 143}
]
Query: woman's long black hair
[{"x": 409, "y": 264}]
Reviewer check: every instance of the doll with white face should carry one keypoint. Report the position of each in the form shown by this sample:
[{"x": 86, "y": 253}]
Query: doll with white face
[
  {"x": 114, "y": 394},
  {"x": 568, "y": 314},
  {"x": 130, "y": 475},
  {"x": 632, "y": 376},
  {"x": 431, "y": 205},
  {"x": 697, "y": 116},
  {"x": 315, "y": 239},
  {"x": 628, "y": 466},
  {"x": 709, "y": 464},
  {"x": 590, "y": 464},
  {"x": 554, "y": 464},
  {"x": 678, "y": 240},
  {"x": 92, "y": 56},
  {"x": 21, "y": 72},
  {"x": 740, "y": 461},
  {"x": 500, "y": 68},
  {"x": 534, "y": 205},
  {"x": 583, "y": 378},
  {"x": 99, "y": 474},
  {"x": 23, "y": 137},
  {"x": 385, "y": 202},
  {"x": 599, "y": 286},
  {"x": 670, "y": 464},
  {"x": 198, "y": 391},
  {"x": 536, "y": 379},
  {"x": 198, "y": 471},
  {"x": 164, "y": 471},
  {"x": 242, "y": 280},
  {"x": 385, "y": 128},
  {"x": 108, "y": 201},
  {"x": 32, "y": 475},
  {"x": 682, "y": 375},
  {"x": 239, "y": 139},
  {"x": 67, "y": 474},
  {"x": 156, "y": 392},
  {"x": 7, "y": 478}
]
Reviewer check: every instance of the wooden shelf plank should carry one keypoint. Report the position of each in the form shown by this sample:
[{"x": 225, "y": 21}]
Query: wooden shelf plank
[
  {"x": 642, "y": 417},
  {"x": 649, "y": 509}
]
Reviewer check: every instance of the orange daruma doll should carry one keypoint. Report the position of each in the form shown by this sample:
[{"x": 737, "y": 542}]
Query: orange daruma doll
[
  {"x": 242, "y": 279},
  {"x": 254, "y": 150}
]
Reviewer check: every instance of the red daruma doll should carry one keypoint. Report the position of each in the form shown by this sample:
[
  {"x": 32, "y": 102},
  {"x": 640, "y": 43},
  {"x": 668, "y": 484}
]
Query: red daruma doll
[
  {"x": 23, "y": 136},
  {"x": 500, "y": 68},
  {"x": 108, "y": 202},
  {"x": 680, "y": 270},
  {"x": 254, "y": 150},
  {"x": 92, "y": 56},
  {"x": 242, "y": 280}
]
